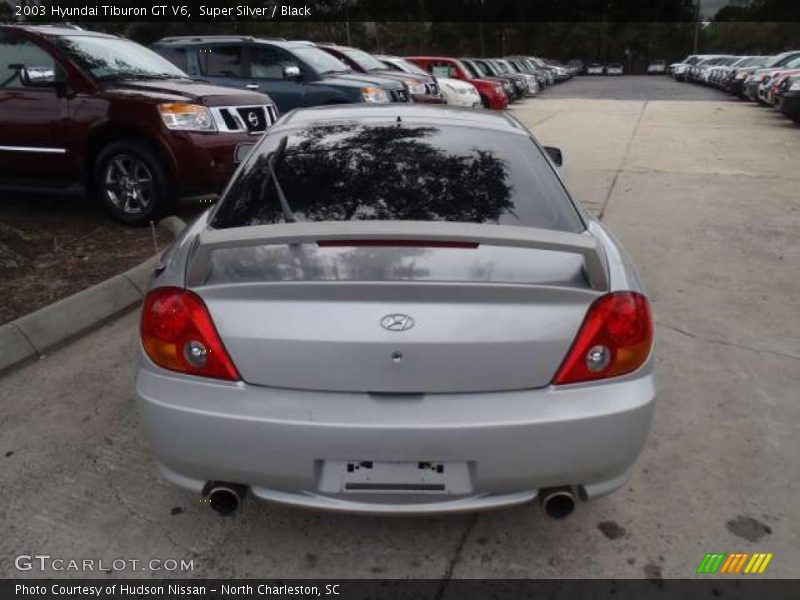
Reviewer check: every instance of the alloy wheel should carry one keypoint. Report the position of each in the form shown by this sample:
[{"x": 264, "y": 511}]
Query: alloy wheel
[{"x": 128, "y": 185}]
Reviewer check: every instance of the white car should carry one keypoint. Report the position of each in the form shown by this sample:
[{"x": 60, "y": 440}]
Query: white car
[
  {"x": 459, "y": 93},
  {"x": 657, "y": 67},
  {"x": 680, "y": 70},
  {"x": 614, "y": 69},
  {"x": 595, "y": 69},
  {"x": 454, "y": 91}
]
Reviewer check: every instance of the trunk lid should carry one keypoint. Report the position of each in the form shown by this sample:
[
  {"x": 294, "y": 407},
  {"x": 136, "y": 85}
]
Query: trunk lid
[{"x": 398, "y": 319}]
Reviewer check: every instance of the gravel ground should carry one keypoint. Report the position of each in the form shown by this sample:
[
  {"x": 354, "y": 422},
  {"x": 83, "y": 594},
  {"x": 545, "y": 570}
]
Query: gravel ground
[
  {"x": 54, "y": 246},
  {"x": 634, "y": 87}
]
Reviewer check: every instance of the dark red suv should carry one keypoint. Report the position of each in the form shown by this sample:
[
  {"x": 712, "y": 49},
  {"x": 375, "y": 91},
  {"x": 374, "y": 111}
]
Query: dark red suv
[{"x": 80, "y": 109}]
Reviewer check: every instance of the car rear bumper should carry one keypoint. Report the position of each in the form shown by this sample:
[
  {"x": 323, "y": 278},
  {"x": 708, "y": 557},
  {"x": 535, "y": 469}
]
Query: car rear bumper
[{"x": 278, "y": 441}]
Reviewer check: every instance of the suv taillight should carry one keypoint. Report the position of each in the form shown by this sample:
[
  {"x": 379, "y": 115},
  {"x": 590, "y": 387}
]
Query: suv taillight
[
  {"x": 615, "y": 338},
  {"x": 178, "y": 334}
]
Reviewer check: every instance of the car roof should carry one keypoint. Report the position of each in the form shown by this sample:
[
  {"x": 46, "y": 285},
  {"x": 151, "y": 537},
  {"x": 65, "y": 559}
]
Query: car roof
[
  {"x": 63, "y": 29},
  {"x": 407, "y": 113},
  {"x": 427, "y": 57},
  {"x": 189, "y": 40},
  {"x": 199, "y": 39}
]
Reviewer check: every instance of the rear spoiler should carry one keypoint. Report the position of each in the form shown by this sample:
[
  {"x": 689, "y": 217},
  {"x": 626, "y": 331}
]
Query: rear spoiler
[{"x": 585, "y": 244}]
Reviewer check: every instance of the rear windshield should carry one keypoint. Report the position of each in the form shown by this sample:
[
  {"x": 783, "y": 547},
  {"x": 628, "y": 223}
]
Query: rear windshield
[{"x": 416, "y": 172}]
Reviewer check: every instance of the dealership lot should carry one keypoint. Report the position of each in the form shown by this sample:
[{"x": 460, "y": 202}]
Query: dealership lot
[{"x": 701, "y": 189}]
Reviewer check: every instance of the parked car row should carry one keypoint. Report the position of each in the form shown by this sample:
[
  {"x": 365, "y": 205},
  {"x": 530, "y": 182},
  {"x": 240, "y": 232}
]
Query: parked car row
[
  {"x": 578, "y": 67},
  {"x": 769, "y": 80},
  {"x": 499, "y": 81},
  {"x": 296, "y": 74},
  {"x": 138, "y": 128},
  {"x": 597, "y": 68}
]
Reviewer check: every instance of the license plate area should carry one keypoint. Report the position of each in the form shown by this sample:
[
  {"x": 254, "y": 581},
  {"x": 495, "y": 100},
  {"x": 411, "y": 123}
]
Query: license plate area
[{"x": 366, "y": 476}]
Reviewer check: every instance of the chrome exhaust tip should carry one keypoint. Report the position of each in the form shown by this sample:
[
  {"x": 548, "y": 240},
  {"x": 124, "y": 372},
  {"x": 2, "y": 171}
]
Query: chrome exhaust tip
[
  {"x": 558, "y": 503},
  {"x": 224, "y": 498}
]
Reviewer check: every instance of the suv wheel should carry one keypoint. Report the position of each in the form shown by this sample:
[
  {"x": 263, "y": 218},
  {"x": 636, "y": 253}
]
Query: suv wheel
[{"x": 131, "y": 181}]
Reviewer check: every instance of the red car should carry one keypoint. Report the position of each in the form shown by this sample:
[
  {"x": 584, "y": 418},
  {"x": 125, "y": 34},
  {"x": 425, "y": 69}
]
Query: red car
[
  {"x": 83, "y": 111},
  {"x": 491, "y": 92}
]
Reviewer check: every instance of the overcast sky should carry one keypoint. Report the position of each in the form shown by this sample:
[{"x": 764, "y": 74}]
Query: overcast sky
[{"x": 708, "y": 8}]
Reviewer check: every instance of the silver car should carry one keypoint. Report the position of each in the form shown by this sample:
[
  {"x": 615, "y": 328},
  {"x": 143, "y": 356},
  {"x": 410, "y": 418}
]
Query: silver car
[{"x": 397, "y": 310}]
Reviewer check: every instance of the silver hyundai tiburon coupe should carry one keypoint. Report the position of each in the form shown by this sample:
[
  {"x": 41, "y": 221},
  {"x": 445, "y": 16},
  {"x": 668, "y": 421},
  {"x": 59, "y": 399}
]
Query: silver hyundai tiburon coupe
[{"x": 397, "y": 310}]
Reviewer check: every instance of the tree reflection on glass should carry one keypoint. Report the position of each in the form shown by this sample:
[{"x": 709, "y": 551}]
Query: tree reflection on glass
[
  {"x": 108, "y": 58},
  {"x": 370, "y": 172}
]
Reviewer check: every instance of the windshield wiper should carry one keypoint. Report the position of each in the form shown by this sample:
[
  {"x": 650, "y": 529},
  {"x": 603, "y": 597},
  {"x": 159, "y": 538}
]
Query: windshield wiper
[{"x": 288, "y": 214}]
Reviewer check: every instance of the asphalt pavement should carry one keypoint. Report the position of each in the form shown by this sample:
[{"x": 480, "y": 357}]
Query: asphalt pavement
[
  {"x": 633, "y": 87},
  {"x": 703, "y": 193}
]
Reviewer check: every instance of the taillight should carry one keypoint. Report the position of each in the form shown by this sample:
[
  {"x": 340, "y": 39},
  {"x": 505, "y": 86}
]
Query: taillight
[
  {"x": 615, "y": 338},
  {"x": 178, "y": 334}
]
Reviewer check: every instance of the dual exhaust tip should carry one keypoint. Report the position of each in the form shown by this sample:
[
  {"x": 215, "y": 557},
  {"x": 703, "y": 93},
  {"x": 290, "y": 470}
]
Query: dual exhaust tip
[
  {"x": 226, "y": 498},
  {"x": 557, "y": 503}
]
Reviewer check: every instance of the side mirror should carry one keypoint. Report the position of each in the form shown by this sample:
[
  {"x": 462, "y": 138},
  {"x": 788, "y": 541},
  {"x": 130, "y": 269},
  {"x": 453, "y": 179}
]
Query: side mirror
[
  {"x": 36, "y": 76},
  {"x": 555, "y": 155},
  {"x": 291, "y": 72}
]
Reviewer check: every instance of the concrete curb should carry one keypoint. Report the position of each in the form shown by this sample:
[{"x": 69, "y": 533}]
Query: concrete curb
[{"x": 33, "y": 335}]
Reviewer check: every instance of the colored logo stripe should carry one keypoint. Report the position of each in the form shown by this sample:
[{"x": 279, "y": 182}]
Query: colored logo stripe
[
  {"x": 710, "y": 563},
  {"x": 726, "y": 566},
  {"x": 740, "y": 564},
  {"x": 733, "y": 563},
  {"x": 758, "y": 563}
]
